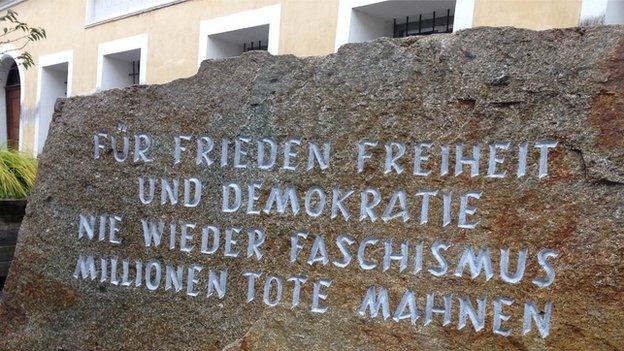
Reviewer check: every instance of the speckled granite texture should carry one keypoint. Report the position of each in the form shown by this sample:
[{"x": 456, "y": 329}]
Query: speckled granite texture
[{"x": 478, "y": 86}]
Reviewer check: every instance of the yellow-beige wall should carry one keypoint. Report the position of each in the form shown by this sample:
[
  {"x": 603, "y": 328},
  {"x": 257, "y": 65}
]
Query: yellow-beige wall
[
  {"x": 307, "y": 27},
  {"x": 173, "y": 33},
  {"x": 532, "y": 14}
]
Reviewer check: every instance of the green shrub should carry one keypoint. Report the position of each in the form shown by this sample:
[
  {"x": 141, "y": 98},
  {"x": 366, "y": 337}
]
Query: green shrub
[{"x": 17, "y": 174}]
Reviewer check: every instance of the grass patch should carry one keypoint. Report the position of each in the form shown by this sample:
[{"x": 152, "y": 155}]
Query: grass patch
[{"x": 17, "y": 174}]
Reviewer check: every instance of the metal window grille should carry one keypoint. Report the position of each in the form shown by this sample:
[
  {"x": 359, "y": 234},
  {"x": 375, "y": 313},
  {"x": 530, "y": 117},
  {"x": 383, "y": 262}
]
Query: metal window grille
[
  {"x": 136, "y": 71},
  {"x": 255, "y": 46},
  {"x": 421, "y": 26}
]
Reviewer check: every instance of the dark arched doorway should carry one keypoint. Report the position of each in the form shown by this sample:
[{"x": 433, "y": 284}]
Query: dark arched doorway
[{"x": 12, "y": 96}]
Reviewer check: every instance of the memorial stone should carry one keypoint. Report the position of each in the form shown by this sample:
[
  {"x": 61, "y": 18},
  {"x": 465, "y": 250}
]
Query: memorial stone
[{"x": 451, "y": 192}]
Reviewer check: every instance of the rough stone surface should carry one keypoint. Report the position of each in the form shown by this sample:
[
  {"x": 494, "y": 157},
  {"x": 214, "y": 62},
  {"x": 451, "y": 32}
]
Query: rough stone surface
[{"x": 477, "y": 86}]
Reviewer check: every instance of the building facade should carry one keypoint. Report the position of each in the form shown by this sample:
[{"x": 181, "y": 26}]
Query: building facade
[{"x": 94, "y": 45}]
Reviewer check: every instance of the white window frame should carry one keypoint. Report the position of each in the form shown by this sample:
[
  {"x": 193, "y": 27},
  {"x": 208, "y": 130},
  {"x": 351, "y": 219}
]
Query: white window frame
[
  {"x": 252, "y": 18},
  {"x": 596, "y": 9},
  {"x": 463, "y": 17},
  {"x": 121, "y": 45},
  {"x": 46, "y": 61}
]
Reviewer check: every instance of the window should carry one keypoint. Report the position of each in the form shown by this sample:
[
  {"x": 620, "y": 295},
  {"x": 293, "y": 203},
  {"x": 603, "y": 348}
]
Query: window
[
  {"x": 364, "y": 20},
  {"x": 423, "y": 24},
  {"x": 99, "y": 11},
  {"x": 121, "y": 69},
  {"x": 236, "y": 42},
  {"x": 240, "y": 32},
  {"x": 54, "y": 81},
  {"x": 596, "y": 12},
  {"x": 122, "y": 63}
]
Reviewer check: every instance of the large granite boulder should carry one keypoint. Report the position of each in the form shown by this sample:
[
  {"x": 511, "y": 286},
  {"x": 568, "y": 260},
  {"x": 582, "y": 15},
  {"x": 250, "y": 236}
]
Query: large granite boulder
[{"x": 460, "y": 191}]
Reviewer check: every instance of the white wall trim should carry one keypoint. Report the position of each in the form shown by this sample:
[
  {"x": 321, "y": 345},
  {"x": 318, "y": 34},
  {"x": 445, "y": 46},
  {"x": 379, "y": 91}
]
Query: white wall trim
[
  {"x": 597, "y": 12},
  {"x": 121, "y": 45},
  {"x": 345, "y": 8},
  {"x": 591, "y": 9},
  {"x": 10, "y": 3},
  {"x": 9, "y": 50},
  {"x": 91, "y": 21},
  {"x": 464, "y": 14},
  {"x": 45, "y": 61},
  {"x": 252, "y": 18}
]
